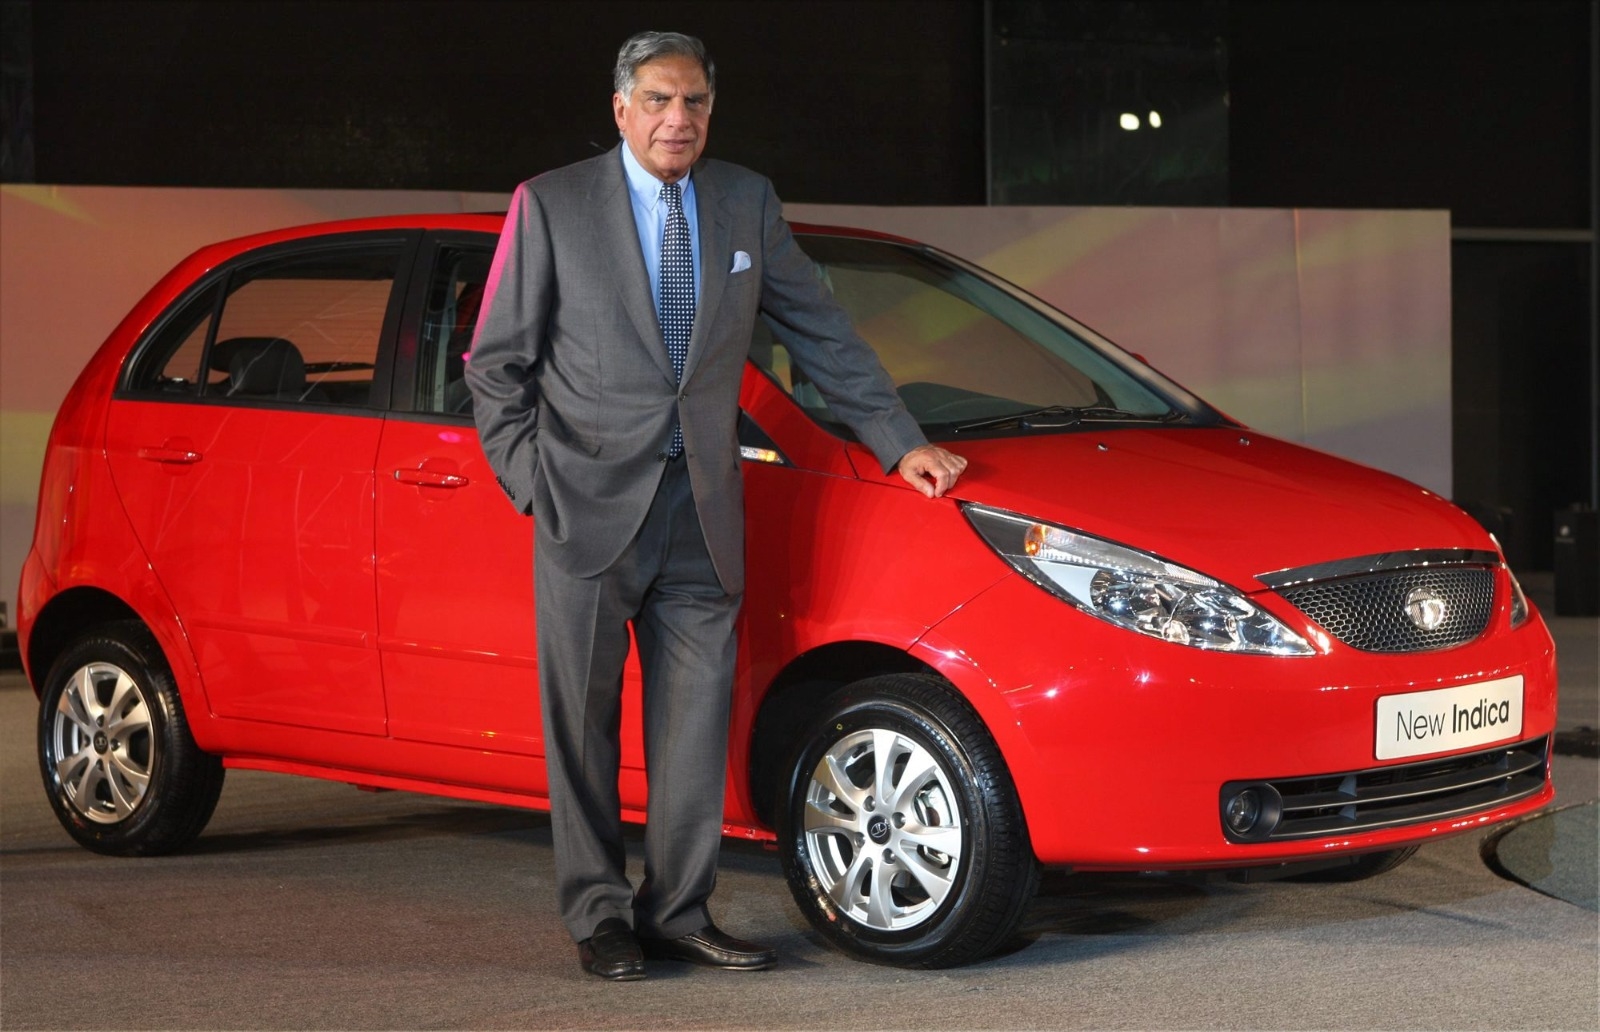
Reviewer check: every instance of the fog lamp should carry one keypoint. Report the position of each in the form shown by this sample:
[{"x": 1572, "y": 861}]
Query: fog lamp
[
  {"x": 1243, "y": 810},
  {"x": 1251, "y": 810}
]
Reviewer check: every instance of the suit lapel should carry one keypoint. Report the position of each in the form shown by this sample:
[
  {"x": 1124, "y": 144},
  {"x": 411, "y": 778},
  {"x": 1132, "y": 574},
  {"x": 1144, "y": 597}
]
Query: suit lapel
[
  {"x": 716, "y": 230},
  {"x": 618, "y": 233}
]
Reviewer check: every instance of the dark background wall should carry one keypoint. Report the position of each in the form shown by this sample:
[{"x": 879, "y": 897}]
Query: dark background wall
[
  {"x": 875, "y": 103},
  {"x": 1483, "y": 108}
]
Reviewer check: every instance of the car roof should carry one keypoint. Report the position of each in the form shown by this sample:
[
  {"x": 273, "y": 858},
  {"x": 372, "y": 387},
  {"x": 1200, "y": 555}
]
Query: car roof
[{"x": 482, "y": 222}]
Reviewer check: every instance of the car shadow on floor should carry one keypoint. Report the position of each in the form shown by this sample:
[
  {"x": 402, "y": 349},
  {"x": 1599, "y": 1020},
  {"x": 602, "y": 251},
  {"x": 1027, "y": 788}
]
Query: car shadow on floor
[{"x": 451, "y": 821}]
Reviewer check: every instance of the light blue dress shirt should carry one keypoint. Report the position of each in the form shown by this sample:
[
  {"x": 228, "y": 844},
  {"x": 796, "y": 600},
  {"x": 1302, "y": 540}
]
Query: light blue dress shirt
[{"x": 650, "y": 219}]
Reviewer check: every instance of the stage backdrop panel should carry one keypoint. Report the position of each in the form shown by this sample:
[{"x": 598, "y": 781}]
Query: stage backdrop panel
[{"x": 1331, "y": 328}]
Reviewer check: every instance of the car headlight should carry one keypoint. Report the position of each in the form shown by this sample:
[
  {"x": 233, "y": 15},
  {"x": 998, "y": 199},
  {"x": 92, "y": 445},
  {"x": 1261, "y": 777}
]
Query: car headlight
[
  {"x": 1134, "y": 590},
  {"x": 1519, "y": 601}
]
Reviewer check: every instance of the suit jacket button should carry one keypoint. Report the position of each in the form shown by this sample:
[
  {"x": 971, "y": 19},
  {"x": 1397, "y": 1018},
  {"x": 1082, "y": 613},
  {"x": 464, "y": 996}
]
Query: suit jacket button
[{"x": 661, "y": 456}]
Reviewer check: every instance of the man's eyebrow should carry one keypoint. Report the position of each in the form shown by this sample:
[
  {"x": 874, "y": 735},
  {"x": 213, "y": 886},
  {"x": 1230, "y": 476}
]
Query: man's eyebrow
[{"x": 657, "y": 95}]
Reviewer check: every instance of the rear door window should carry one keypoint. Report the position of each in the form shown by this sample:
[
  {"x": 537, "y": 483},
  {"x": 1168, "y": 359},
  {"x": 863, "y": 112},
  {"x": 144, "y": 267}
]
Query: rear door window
[{"x": 298, "y": 328}]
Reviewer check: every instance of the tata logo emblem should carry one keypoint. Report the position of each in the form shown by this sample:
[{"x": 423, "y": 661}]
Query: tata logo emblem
[{"x": 1425, "y": 609}]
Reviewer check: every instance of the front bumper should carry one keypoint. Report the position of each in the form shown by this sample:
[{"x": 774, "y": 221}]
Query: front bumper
[
  {"x": 1122, "y": 746},
  {"x": 1348, "y": 802}
]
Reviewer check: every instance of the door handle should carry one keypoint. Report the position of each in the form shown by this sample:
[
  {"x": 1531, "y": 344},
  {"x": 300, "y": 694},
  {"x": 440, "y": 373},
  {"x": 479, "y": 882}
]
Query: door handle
[
  {"x": 180, "y": 456},
  {"x": 430, "y": 478}
]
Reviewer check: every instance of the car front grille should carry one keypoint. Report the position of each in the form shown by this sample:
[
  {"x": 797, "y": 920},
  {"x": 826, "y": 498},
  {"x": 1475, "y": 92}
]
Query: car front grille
[
  {"x": 1370, "y": 612},
  {"x": 1336, "y": 804}
]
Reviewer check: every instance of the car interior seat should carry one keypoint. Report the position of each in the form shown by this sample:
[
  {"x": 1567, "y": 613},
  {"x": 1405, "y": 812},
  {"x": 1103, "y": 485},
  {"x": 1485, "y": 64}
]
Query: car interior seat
[{"x": 260, "y": 367}]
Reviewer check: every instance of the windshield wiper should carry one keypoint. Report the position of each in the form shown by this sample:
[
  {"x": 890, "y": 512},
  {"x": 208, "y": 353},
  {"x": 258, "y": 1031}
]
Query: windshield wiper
[{"x": 1053, "y": 417}]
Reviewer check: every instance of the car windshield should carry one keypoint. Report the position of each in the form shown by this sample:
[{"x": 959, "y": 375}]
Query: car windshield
[{"x": 969, "y": 353}]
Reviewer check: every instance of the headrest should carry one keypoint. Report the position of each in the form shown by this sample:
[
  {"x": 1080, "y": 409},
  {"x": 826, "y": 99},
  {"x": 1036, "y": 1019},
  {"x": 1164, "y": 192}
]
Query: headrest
[{"x": 268, "y": 366}]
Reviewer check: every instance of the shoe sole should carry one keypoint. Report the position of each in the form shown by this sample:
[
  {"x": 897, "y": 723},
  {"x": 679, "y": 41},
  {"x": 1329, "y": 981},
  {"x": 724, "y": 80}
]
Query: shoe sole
[
  {"x": 625, "y": 976},
  {"x": 657, "y": 953}
]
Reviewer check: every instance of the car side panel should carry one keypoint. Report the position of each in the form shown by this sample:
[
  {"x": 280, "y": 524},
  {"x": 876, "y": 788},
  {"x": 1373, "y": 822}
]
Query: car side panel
[
  {"x": 457, "y": 634},
  {"x": 84, "y": 542},
  {"x": 455, "y": 594},
  {"x": 834, "y": 559},
  {"x": 260, "y": 523}
]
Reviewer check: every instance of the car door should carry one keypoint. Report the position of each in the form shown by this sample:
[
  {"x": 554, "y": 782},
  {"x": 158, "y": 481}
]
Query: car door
[
  {"x": 455, "y": 561},
  {"x": 242, "y": 444}
]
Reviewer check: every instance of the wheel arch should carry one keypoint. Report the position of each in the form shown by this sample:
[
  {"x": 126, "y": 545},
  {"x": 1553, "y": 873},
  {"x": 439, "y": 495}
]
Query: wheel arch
[
  {"x": 798, "y": 690},
  {"x": 72, "y": 612},
  {"x": 63, "y": 619}
]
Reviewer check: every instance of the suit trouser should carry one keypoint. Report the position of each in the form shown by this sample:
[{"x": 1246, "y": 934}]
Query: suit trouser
[{"x": 665, "y": 584}]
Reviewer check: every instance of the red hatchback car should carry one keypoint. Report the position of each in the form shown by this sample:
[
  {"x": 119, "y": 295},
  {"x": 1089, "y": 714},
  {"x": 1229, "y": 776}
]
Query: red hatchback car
[{"x": 1137, "y": 636}]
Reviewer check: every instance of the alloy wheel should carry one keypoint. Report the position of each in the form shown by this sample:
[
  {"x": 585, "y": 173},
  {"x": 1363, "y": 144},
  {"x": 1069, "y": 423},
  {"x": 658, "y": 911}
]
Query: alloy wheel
[
  {"x": 883, "y": 828},
  {"x": 102, "y": 742}
]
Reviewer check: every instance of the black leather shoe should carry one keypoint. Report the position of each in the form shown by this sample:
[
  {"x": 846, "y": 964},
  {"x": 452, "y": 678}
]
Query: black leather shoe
[
  {"x": 711, "y": 947},
  {"x": 612, "y": 952}
]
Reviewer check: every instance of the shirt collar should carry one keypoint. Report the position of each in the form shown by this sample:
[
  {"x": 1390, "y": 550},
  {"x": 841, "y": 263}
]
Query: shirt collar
[{"x": 645, "y": 187}]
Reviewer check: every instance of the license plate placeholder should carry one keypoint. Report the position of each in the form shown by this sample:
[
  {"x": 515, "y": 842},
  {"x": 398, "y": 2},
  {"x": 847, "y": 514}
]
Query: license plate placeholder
[{"x": 1422, "y": 723}]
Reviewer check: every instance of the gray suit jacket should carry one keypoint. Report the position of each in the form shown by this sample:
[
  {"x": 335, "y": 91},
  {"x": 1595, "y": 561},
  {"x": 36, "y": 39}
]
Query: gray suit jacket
[{"x": 573, "y": 391}]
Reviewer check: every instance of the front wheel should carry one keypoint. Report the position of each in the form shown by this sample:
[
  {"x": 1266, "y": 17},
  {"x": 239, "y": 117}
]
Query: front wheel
[
  {"x": 122, "y": 771},
  {"x": 900, "y": 831}
]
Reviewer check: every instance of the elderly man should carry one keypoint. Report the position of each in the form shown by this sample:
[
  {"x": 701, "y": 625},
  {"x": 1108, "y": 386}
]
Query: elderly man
[{"x": 605, "y": 375}]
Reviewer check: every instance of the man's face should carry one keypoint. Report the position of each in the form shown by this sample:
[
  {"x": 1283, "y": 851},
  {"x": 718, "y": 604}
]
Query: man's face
[{"x": 666, "y": 120}]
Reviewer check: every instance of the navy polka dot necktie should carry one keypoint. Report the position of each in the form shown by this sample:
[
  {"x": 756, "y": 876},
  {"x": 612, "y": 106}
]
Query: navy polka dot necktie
[{"x": 677, "y": 292}]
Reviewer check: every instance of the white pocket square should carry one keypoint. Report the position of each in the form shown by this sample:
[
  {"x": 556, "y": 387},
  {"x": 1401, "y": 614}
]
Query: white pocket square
[{"x": 741, "y": 262}]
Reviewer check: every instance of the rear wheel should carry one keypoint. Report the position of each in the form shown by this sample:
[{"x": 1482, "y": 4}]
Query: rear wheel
[
  {"x": 122, "y": 771},
  {"x": 900, "y": 830}
]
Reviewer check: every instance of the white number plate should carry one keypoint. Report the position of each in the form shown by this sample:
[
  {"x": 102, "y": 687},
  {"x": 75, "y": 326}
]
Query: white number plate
[{"x": 1420, "y": 723}]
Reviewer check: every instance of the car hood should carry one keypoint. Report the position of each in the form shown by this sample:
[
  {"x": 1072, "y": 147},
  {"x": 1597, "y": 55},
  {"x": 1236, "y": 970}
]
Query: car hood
[{"x": 1229, "y": 503}]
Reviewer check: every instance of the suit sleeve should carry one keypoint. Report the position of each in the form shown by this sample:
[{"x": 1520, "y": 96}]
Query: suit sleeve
[
  {"x": 508, "y": 345},
  {"x": 823, "y": 341}
]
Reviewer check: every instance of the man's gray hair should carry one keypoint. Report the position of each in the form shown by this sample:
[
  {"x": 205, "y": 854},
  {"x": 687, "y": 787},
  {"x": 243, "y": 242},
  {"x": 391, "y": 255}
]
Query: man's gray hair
[{"x": 644, "y": 47}]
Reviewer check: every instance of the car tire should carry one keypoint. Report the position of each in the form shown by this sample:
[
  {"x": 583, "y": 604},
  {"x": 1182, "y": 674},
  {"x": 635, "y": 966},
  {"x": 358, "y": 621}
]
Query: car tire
[
  {"x": 899, "y": 827},
  {"x": 120, "y": 766},
  {"x": 1368, "y": 865}
]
